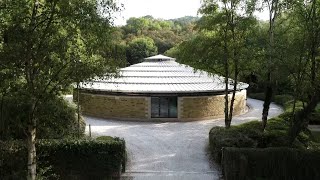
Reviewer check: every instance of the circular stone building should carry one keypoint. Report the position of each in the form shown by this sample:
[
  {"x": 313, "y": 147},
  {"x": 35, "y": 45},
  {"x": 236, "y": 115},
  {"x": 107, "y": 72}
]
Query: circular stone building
[{"x": 159, "y": 89}]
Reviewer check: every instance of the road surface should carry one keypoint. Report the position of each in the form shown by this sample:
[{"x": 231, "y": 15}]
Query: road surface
[{"x": 172, "y": 150}]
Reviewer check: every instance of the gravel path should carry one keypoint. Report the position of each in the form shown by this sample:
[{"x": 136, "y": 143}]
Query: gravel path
[{"x": 176, "y": 150}]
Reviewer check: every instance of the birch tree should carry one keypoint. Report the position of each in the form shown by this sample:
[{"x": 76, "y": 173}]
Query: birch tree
[{"x": 42, "y": 43}]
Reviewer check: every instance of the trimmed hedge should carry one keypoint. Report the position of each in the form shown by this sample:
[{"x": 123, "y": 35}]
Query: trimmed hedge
[
  {"x": 65, "y": 159},
  {"x": 249, "y": 135},
  {"x": 270, "y": 163}
]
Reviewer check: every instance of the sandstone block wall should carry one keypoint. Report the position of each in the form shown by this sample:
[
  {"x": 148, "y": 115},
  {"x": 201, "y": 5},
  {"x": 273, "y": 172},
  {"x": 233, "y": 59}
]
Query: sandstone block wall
[
  {"x": 209, "y": 107},
  {"x": 139, "y": 108},
  {"x": 114, "y": 107}
]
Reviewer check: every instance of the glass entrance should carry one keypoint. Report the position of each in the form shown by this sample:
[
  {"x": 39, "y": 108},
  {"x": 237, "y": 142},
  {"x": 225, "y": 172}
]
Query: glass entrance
[{"x": 164, "y": 107}]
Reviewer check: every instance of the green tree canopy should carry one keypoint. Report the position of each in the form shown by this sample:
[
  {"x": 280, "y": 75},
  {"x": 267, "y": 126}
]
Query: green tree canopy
[
  {"x": 140, "y": 48},
  {"x": 46, "y": 45}
]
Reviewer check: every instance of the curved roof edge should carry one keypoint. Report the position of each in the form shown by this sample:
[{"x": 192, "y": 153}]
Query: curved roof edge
[
  {"x": 159, "y": 57},
  {"x": 147, "y": 94}
]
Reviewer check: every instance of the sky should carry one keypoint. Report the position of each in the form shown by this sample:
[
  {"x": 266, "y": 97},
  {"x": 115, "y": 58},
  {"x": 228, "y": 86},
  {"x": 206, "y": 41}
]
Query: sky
[{"x": 164, "y": 9}]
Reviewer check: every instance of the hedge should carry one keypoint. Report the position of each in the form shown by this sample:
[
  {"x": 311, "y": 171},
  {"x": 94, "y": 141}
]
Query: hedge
[
  {"x": 270, "y": 163},
  {"x": 250, "y": 135},
  {"x": 65, "y": 159}
]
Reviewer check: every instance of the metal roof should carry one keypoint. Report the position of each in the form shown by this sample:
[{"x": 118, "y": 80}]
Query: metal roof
[
  {"x": 159, "y": 57},
  {"x": 160, "y": 74}
]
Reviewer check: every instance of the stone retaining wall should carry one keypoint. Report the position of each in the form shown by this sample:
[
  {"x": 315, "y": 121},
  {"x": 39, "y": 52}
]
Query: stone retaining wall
[
  {"x": 209, "y": 107},
  {"x": 190, "y": 108},
  {"x": 114, "y": 107}
]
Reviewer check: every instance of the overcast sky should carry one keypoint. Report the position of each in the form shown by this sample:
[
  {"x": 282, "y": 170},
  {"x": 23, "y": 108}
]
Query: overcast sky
[{"x": 164, "y": 9}]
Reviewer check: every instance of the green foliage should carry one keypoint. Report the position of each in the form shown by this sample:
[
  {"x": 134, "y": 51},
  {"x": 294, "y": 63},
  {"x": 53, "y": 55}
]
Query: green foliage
[
  {"x": 316, "y": 136},
  {"x": 250, "y": 135},
  {"x": 65, "y": 159},
  {"x": 283, "y": 100},
  {"x": 48, "y": 45},
  {"x": 140, "y": 48},
  {"x": 270, "y": 163},
  {"x": 164, "y": 33},
  {"x": 57, "y": 119},
  {"x": 219, "y": 137},
  {"x": 105, "y": 138},
  {"x": 13, "y": 159},
  {"x": 259, "y": 96}
]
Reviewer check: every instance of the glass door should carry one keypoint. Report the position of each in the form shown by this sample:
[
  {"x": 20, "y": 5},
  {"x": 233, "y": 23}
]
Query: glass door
[{"x": 164, "y": 107}]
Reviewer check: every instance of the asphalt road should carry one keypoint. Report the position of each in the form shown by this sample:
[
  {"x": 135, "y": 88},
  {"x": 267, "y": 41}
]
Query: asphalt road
[{"x": 172, "y": 150}]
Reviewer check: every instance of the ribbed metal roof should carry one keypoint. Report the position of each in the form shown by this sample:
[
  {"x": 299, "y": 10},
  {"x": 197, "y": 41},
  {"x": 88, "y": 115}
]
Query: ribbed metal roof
[{"x": 161, "y": 74}]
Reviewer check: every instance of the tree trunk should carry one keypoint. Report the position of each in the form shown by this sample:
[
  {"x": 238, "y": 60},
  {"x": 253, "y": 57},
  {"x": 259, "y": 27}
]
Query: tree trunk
[
  {"x": 78, "y": 108},
  {"x": 31, "y": 141},
  {"x": 233, "y": 94},
  {"x": 266, "y": 105},
  {"x": 301, "y": 117},
  {"x": 31, "y": 145},
  {"x": 236, "y": 66},
  {"x": 2, "y": 123},
  {"x": 226, "y": 81},
  {"x": 226, "y": 109},
  {"x": 273, "y": 12}
]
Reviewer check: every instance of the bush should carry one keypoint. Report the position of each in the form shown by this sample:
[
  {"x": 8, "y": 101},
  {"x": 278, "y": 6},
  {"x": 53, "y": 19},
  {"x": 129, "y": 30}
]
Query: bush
[
  {"x": 315, "y": 118},
  {"x": 13, "y": 160},
  {"x": 270, "y": 163},
  {"x": 259, "y": 96},
  {"x": 56, "y": 119},
  {"x": 105, "y": 138},
  {"x": 250, "y": 135},
  {"x": 282, "y": 99},
  {"x": 244, "y": 135},
  {"x": 65, "y": 159},
  {"x": 278, "y": 99}
]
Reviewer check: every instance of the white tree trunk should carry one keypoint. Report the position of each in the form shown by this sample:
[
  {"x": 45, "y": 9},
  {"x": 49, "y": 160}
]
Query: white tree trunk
[{"x": 31, "y": 145}]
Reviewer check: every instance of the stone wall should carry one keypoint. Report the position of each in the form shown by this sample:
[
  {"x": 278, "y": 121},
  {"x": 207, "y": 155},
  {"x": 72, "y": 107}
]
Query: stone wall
[
  {"x": 209, "y": 107},
  {"x": 114, "y": 107},
  {"x": 138, "y": 107}
]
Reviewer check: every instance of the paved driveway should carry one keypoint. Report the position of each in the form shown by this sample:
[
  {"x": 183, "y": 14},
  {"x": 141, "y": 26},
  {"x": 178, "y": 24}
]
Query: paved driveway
[{"x": 176, "y": 150}]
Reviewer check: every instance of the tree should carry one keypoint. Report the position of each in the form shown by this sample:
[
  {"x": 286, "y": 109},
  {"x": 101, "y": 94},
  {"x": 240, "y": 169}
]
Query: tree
[
  {"x": 140, "y": 48},
  {"x": 274, "y": 7},
  {"x": 221, "y": 45},
  {"x": 42, "y": 43},
  {"x": 306, "y": 40},
  {"x": 165, "y": 33}
]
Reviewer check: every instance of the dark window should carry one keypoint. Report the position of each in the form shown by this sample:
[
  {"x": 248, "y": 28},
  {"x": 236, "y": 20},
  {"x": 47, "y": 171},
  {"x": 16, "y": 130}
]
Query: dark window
[{"x": 164, "y": 107}]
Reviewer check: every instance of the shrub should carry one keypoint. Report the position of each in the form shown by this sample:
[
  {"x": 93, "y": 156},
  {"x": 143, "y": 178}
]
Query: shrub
[
  {"x": 105, "y": 138},
  {"x": 270, "y": 163},
  {"x": 250, "y": 135},
  {"x": 282, "y": 99},
  {"x": 259, "y": 96},
  {"x": 56, "y": 119},
  {"x": 278, "y": 99},
  {"x": 13, "y": 160},
  {"x": 236, "y": 136},
  {"x": 315, "y": 118},
  {"x": 66, "y": 159}
]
